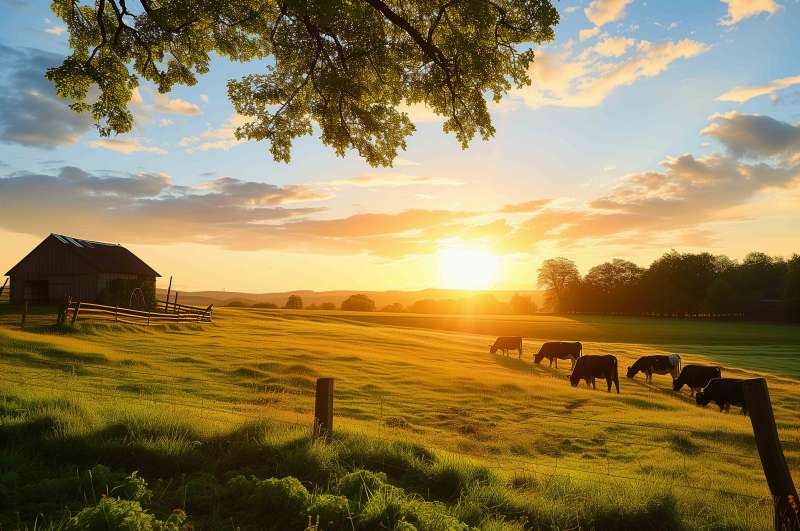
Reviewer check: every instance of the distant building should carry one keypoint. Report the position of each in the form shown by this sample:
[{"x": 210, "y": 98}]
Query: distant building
[{"x": 90, "y": 271}]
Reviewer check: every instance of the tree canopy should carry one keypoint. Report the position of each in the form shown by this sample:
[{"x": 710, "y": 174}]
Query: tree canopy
[{"x": 344, "y": 65}]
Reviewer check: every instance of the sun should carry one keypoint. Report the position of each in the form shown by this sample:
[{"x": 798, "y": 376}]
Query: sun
[{"x": 463, "y": 267}]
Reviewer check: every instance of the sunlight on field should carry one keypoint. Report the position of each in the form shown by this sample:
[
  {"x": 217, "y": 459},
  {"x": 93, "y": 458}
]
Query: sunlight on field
[{"x": 439, "y": 388}]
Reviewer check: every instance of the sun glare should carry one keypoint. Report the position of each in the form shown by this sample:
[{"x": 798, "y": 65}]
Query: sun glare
[{"x": 466, "y": 267}]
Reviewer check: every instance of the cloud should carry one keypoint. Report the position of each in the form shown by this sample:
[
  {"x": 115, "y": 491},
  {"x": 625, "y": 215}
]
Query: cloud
[
  {"x": 586, "y": 80},
  {"x": 526, "y": 207},
  {"x": 570, "y": 9},
  {"x": 164, "y": 103},
  {"x": 739, "y": 10},
  {"x": 420, "y": 113},
  {"x": 223, "y": 137},
  {"x": 754, "y": 135},
  {"x": 743, "y": 94},
  {"x": 127, "y": 146},
  {"x": 601, "y": 12},
  {"x": 147, "y": 207},
  {"x": 204, "y": 97},
  {"x": 675, "y": 204},
  {"x": 56, "y": 30},
  {"x": 613, "y": 46},
  {"x": 394, "y": 180},
  {"x": 30, "y": 112},
  {"x": 586, "y": 34}
]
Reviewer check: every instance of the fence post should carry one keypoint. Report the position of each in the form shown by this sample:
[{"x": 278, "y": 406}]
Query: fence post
[
  {"x": 175, "y": 304},
  {"x": 24, "y": 315},
  {"x": 765, "y": 431},
  {"x": 75, "y": 315},
  {"x": 148, "y": 317},
  {"x": 323, "y": 408},
  {"x": 166, "y": 301}
]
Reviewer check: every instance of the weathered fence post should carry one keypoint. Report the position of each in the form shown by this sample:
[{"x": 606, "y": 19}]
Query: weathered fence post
[
  {"x": 323, "y": 408},
  {"x": 24, "y": 315},
  {"x": 148, "y": 317},
  {"x": 175, "y": 304},
  {"x": 784, "y": 494},
  {"x": 166, "y": 301},
  {"x": 75, "y": 315}
]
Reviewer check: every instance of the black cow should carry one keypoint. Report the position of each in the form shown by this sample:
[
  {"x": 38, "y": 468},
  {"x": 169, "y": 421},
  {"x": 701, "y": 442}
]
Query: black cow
[
  {"x": 559, "y": 350},
  {"x": 656, "y": 364},
  {"x": 696, "y": 377},
  {"x": 505, "y": 344},
  {"x": 724, "y": 392},
  {"x": 590, "y": 367}
]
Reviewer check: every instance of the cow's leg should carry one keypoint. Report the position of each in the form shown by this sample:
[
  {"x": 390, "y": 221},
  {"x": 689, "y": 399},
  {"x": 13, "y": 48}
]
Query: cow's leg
[
  {"x": 608, "y": 382},
  {"x": 593, "y": 383}
]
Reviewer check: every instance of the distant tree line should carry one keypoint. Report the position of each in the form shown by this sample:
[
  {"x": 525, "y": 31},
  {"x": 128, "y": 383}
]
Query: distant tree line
[
  {"x": 480, "y": 304},
  {"x": 761, "y": 287}
]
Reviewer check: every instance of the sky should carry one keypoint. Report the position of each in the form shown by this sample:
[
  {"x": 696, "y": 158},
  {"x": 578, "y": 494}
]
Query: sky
[{"x": 649, "y": 126}]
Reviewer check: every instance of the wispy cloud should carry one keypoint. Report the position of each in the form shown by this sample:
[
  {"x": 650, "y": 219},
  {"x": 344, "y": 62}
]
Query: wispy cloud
[
  {"x": 739, "y": 10},
  {"x": 127, "y": 146},
  {"x": 393, "y": 180},
  {"x": 586, "y": 79},
  {"x": 55, "y": 30},
  {"x": 743, "y": 94},
  {"x": 222, "y": 137},
  {"x": 601, "y": 12}
]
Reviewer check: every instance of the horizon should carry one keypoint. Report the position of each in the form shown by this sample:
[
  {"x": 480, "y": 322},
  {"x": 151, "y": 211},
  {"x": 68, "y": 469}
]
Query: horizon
[{"x": 575, "y": 168}]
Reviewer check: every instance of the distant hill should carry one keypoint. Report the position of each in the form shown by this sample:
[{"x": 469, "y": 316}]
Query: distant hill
[{"x": 381, "y": 298}]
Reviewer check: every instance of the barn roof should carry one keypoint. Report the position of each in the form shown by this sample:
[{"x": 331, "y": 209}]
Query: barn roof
[{"x": 103, "y": 257}]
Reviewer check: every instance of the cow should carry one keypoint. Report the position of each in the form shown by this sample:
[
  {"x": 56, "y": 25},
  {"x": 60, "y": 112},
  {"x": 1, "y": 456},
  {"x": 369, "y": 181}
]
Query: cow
[
  {"x": 507, "y": 343},
  {"x": 656, "y": 364},
  {"x": 590, "y": 367},
  {"x": 724, "y": 392},
  {"x": 559, "y": 350},
  {"x": 696, "y": 377}
]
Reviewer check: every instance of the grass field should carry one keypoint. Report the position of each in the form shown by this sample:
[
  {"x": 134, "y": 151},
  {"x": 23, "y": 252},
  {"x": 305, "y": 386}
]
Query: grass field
[{"x": 463, "y": 437}]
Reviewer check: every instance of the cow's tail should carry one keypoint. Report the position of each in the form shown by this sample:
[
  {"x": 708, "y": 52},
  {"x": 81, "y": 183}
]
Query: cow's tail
[{"x": 616, "y": 375}]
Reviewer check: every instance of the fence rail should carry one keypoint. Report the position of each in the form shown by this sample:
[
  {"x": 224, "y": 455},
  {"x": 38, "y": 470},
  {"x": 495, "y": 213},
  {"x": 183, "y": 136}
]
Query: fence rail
[{"x": 71, "y": 311}]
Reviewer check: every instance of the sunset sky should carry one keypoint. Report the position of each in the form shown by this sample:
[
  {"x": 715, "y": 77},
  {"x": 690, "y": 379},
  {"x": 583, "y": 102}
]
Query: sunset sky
[{"x": 649, "y": 126}]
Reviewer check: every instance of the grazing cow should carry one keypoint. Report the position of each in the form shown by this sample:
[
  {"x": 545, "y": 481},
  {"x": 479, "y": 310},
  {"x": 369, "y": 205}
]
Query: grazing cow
[
  {"x": 559, "y": 350},
  {"x": 656, "y": 364},
  {"x": 696, "y": 377},
  {"x": 724, "y": 392},
  {"x": 507, "y": 343},
  {"x": 590, "y": 367}
]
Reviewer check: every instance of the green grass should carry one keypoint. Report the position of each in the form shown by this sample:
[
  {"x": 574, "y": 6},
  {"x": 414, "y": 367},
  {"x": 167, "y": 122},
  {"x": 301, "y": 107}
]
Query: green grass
[{"x": 431, "y": 430}]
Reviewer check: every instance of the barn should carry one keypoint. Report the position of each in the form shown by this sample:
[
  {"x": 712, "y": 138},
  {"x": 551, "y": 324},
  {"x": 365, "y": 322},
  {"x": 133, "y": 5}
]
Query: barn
[{"x": 85, "y": 270}]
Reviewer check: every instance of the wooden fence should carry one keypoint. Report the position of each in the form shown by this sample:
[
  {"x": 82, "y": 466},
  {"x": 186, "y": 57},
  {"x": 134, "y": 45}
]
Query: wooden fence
[{"x": 71, "y": 311}]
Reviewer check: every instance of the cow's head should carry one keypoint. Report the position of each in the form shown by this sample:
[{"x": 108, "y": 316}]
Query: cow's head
[
  {"x": 574, "y": 379},
  {"x": 701, "y": 399},
  {"x": 631, "y": 372},
  {"x": 492, "y": 349},
  {"x": 538, "y": 357}
]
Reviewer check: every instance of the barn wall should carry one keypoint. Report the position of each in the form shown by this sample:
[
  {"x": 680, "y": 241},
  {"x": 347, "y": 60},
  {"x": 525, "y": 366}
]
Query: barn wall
[{"x": 65, "y": 274}]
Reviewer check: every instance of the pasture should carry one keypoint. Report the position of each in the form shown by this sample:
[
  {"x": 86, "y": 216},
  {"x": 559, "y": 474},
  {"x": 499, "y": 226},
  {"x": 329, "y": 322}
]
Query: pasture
[{"x": 464, "y": 438}]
